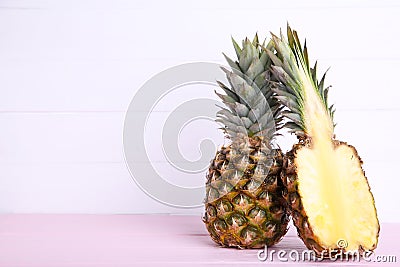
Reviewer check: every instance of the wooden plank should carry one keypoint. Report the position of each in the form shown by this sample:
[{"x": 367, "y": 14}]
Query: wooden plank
[
  {"x": 136, "y": 240},
  {"x": 93, "y": 55},
  {"x": 77, "y": 161},
  {"x": 95, "y": 137},
  {"x": 75, "y": 188}
]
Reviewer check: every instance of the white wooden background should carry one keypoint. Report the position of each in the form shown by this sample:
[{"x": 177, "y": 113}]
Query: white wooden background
[{"x": 68, "y": 70}]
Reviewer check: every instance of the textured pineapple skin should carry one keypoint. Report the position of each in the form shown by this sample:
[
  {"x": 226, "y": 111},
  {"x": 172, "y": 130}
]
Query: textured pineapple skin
[
  {"x": 244, "y": 218},
  {"x": 291, "y": 194}
]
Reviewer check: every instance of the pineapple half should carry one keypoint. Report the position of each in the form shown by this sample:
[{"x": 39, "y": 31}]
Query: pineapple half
[
  {"x": 244, "y": 205},
  {"x": 330, "y": 199}
]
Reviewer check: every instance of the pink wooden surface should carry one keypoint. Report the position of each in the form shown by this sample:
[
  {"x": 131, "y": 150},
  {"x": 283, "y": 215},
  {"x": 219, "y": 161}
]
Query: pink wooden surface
[{"x": 138, "y": 240}]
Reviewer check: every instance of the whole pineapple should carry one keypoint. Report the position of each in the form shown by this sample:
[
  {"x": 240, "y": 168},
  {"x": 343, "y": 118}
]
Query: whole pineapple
[
  {"x": 330, "y": 199},
  {"x": 244, "y": 206}
]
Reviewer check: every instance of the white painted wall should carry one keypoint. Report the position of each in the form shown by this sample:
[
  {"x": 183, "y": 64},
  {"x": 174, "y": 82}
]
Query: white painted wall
[{"x": 68, "y": 70}]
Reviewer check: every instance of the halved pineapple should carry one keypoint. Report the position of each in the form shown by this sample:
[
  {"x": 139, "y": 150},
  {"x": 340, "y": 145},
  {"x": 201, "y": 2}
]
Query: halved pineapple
[{"x": 331, "y": 202}]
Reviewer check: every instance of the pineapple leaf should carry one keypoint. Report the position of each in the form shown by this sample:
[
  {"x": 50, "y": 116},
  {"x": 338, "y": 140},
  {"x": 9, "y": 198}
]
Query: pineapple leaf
[
  {"x": 228, "y": 91},
  {"x": 262, "y": 81},
  {"x": 249, "y": 52},
  {"x": 321, "y": 83},
  {"x": 262, "y": 123},
  {"x": 314, "y": 72},
  {"x": 225, "y": 98},
  {"x": 232, "y": 64},
  {"x": 238, "y": 50},
  {"x": 284, "y": 93},
  {"x": 264, "y": 58},
  {"x": 325, "y": 98},
  {"x": 225, "y": 113},
  {"x": 296, "y": 118},
  {"x": 255, "y": 69},
  {"x": 305, "y": 52},
  {"x": 250, "y": 106},
  {"x": 291, "y": 67},
  {"x": 294, "y": 127},
  {"x": 241, "y": 110},
  {"x": 288, "y": 102},
  {"x": 246, "y": 122},
  {"x": 256, "y": 113},
  {"x": 255, "y": 40}
]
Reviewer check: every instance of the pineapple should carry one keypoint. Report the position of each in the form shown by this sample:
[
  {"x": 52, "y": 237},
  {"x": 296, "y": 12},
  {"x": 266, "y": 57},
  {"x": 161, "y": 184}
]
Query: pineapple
[
  {"x": 244, "y": 205},
  {"x": 329, "y": 196}
]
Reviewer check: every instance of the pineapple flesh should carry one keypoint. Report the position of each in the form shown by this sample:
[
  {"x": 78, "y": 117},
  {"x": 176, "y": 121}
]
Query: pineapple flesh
[
  {"x": 244, "y": 204},
  {"x": 330, "y": 199}
]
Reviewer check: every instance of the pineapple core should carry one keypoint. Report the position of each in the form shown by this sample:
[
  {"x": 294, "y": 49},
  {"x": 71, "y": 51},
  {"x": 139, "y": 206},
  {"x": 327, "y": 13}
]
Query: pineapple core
[{"x": 332, "y": 185}]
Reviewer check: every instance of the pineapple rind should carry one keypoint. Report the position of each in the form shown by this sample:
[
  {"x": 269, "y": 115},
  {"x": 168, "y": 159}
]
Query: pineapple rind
[
  {"x": 249, "y": 216},
  {"x": 363, "y": 227}
]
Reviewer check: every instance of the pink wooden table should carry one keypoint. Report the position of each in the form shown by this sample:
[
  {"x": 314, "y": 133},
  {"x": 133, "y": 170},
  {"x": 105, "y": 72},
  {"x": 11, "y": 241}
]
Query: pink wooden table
[{"x": 139, "y": 240}]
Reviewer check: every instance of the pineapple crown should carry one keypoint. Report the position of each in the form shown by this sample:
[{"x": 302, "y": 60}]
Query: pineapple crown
[
  {"x": 250, "y": 110},
  {"x": 292, "y": 69}
]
